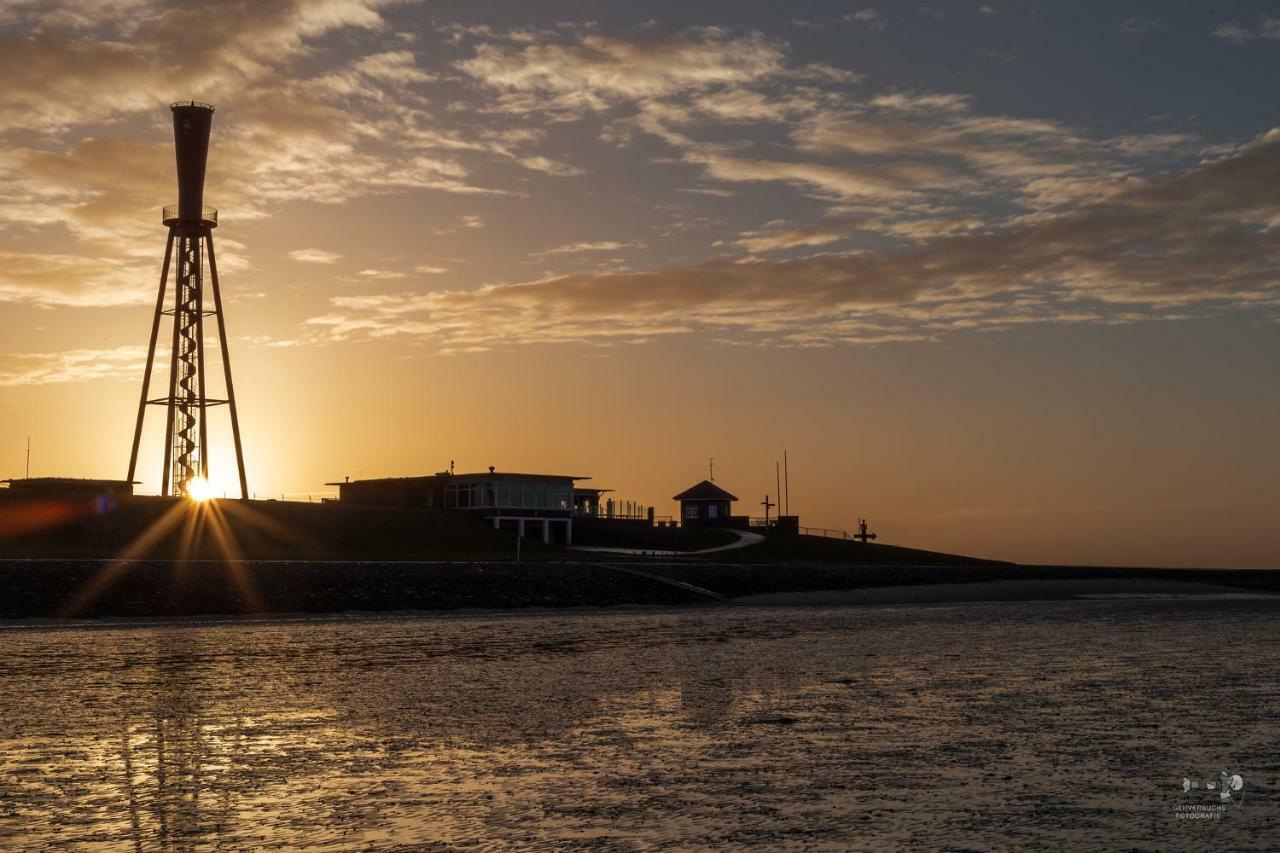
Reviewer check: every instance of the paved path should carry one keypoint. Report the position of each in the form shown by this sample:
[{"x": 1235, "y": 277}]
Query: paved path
[{"x": 745, "y": 539}]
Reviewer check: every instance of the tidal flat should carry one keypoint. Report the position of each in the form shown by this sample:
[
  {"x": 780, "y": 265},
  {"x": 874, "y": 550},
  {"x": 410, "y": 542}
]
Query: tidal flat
[{"x": 1011, "y": 725}]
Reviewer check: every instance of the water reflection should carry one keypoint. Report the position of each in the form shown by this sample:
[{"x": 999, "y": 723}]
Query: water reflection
[{"x": 722, "y": 727}]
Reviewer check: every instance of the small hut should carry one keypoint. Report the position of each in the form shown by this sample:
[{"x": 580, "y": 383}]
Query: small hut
[{"x": 705, "y": 505}]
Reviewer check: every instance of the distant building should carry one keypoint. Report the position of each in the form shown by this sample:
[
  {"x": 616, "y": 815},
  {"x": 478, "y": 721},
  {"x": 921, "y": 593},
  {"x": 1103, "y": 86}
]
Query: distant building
[
  {"x": 67, "y": 488},
  {"x": 539, "y": 505},
  {"x": 706, "y": 505}
]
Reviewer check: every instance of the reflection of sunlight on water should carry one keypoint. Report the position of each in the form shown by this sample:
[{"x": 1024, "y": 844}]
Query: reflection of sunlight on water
[{"x": 727, "y": 727}]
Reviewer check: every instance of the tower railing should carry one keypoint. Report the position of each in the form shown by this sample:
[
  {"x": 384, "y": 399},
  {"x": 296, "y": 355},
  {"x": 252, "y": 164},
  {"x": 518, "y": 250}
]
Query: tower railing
[{"x": 169, "y": 215}]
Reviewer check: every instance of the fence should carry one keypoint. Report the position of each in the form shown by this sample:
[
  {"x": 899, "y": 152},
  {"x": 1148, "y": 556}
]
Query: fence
[
  {"x": 827, "y": 533},
  {"x": 626, "y": 510}
]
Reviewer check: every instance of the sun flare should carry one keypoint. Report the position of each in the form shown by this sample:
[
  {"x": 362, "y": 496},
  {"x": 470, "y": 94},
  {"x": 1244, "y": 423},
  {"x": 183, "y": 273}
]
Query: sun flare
[{"x": 199, "y": 489}]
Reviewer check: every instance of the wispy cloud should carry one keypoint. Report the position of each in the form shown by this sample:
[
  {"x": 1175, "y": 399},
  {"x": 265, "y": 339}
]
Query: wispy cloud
[
  {"x": 73, "y": 281},
  {"x": 598, "y": 71},
  {"x": 779, "y": 236},
  {"x": 1169, "y": 247},
  {"x": 315, "y": 256},
  {"x": 79, "y": 365},
  {"x": 598, "y": 246},
  {"x": 1241, "y": 32}
]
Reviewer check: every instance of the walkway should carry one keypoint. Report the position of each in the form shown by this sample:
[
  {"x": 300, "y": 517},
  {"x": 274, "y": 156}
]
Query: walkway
[{"x": 745, "y": 539}]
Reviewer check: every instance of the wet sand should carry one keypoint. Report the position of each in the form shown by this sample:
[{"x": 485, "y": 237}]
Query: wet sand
[{"x": 1015, "y": 725}]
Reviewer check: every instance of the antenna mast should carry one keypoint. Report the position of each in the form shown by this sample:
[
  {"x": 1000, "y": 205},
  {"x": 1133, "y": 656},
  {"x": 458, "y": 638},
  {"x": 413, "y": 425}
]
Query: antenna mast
[{"x": 786, "y": 482}]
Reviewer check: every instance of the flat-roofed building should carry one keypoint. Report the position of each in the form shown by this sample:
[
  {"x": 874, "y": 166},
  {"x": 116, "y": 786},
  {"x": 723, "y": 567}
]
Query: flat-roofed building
[
  {"x": 538, "y": 505},
  {"x": 67, "y": 487}
]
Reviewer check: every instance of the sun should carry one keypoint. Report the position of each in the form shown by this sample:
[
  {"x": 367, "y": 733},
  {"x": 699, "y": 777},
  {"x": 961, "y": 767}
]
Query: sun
[{"x": 199, "y": 489}]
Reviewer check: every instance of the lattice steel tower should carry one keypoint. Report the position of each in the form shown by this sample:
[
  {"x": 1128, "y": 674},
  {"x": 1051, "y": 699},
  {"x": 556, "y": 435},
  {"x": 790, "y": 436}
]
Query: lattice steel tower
[{"x": 191, "y": 224}]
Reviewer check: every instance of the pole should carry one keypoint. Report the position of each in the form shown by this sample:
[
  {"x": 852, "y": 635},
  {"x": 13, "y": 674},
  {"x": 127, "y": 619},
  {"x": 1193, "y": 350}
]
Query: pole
[
  {"x": 28, "y": 457},
  {"x": 777, "y": 479},
  {"x": 226, "y": 365},
  {"x": 786, "y": 481},
  {"x": 151, "y": 356}
]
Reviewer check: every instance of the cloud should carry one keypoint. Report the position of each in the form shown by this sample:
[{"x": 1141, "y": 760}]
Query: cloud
[
  {"x": 870, "y": 18},
  {"x": 599, "y": 246},
  {"x": 1264, "y": 28},
  {"x": 1174, "y": 246},
  {"x": 126, "y": 57},
  {"x": 778, "y": 238},
  {"x": 381, "y": 275},
  {"x": 74, "y": 281},
  {"x": 599, "y": 71},
  {"x": 79, "y": 365},
  {"x": 427, "y": 269},
  {"x": 315, "y": 256}
]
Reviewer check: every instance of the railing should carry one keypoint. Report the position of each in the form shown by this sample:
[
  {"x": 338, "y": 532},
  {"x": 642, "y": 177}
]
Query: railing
[
  {"x": 827, "y": 533},
  {"x": 169, "y": 215},
  {"x": 199, "y": 104},
  {"x": 625, "y": 510}
]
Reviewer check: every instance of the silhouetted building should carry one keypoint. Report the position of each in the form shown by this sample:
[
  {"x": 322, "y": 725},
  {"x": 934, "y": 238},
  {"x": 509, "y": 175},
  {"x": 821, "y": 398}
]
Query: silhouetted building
[
  {"x": 67, "y": 487},
  {"x": 706, "y": 504},
  {"x": 541, "y": 505}
]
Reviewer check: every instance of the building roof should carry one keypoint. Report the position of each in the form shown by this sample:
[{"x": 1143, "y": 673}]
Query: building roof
[
  {"x": 481, "y": 475},
  {"x": 65, "y": 481},
  {"x": 704, "y": 491}
]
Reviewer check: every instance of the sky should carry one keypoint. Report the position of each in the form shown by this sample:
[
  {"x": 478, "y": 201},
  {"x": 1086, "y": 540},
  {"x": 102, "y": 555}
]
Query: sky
[{"x": 1000, "y": 277}]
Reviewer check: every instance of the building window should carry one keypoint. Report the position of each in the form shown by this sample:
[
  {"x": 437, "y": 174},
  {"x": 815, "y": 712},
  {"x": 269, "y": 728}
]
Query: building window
[
  {"x": 690, "y": 510},
  {"x": 713, "y": 511}
]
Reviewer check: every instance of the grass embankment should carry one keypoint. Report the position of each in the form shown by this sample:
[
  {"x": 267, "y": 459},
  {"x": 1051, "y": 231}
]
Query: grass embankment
[
  {"x": 165, "y": 528},
  {"x": 815, "y": 550},
  {"x": 103, "y": 588},
  {"x": 586, "y": 532}
]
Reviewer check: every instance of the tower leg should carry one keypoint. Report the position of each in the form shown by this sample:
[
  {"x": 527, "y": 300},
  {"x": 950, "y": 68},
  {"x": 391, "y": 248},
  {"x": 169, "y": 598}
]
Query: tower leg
[
  {"x": 226, "y": 366},
  {"x": 151, "y": 356}
]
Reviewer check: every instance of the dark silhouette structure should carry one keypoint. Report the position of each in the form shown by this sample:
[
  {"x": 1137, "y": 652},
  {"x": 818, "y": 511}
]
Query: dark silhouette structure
[
  {"x": 66, "y": 487},
  {"x": 705, "y": 504},
  {"x": 191, "y": 224},
  {"x": 529, "y": 504}
]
